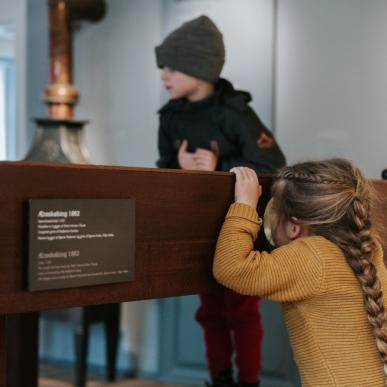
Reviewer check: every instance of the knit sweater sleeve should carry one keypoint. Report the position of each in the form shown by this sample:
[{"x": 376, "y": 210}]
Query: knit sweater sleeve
[{"x": 289, "y": 273}]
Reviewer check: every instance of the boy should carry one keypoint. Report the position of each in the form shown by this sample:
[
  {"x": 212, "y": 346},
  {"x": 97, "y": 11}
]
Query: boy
[{"x": 208, "y": 125}]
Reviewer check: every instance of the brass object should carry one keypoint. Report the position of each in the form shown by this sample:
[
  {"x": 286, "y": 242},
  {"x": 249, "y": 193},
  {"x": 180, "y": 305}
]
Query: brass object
[
  {"x": 59, "y": 137},
  {"x": 61, "y": 95}
]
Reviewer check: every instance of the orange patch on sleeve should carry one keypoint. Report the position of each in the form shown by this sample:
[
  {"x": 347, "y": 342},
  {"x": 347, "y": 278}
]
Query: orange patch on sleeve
[{"x": 264, "y": 141}]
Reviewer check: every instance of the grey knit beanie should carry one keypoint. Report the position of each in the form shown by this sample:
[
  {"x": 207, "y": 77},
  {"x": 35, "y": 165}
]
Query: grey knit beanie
[{"x": 195, "y": 48}]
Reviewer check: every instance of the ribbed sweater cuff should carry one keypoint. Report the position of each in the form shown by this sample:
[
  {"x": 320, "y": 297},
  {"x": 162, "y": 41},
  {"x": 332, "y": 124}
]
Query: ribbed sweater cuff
[{"x": 242, "y": 210}]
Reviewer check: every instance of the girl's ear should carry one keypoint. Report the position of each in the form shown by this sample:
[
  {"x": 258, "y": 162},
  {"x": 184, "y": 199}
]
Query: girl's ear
[{"x": 295, "y": 230}]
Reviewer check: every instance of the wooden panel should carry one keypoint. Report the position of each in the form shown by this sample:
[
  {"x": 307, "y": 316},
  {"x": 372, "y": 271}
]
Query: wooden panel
[
  {"x": 178, "y": 217},
  {"x": 22, "y": 349}
]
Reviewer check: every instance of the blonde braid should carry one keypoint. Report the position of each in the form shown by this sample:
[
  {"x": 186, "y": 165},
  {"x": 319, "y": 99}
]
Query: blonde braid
[
  {"x": 359, "y": 254},
  {"x": 288, "y": 173}
]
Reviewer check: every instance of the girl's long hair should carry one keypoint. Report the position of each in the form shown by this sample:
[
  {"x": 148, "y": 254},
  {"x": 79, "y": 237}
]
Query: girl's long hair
[{"x": 334, "y": 200}]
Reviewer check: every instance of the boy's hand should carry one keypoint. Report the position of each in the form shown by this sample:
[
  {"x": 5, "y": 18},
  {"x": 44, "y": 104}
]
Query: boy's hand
[
  {"x": 205, "y": 160},
  {"x": 202, "y": 159},
  {"x": 186, "y": 159},
  {"x": 247, "y": 188}
]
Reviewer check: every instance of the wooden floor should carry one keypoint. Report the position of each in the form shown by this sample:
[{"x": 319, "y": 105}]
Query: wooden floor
[
  {"x": 63, "y": 377},
  {"x": 48, "y": 382}
]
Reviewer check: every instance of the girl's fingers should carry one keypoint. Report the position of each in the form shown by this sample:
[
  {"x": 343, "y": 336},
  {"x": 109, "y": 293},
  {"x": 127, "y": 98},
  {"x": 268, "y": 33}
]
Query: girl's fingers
[
  {"x": 245, "y": 173},
  {"x": 251, "y": 175},
  {"x": 238, "y": 173}
]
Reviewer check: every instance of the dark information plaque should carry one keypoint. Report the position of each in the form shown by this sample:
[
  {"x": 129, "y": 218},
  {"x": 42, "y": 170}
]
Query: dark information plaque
[{"x": 80, "y": 242}]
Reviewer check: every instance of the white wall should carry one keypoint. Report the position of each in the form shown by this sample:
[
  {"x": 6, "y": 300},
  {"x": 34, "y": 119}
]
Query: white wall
[
  {"x": 13, "y": 12},
  {"x": 331, "y": 79},
  {"x": 37, "y": 63},
  {"x": 116, "y": 74},
  {"x": 7, "y": 43}
]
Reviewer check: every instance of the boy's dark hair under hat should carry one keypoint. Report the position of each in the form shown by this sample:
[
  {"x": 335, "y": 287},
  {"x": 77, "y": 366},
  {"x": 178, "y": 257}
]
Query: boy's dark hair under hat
[{"x": 195, "y": 48}]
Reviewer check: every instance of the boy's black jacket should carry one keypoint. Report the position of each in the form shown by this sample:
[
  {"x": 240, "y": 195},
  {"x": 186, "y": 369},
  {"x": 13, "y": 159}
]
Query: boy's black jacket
[{"x": 223, "y": 123}]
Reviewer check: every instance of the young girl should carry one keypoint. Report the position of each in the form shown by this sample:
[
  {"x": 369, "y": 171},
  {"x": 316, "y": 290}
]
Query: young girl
[{"x": 327, "y": 271}]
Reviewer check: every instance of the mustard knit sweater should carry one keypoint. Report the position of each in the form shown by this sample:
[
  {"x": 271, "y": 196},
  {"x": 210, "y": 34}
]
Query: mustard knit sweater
[{"x": 321, "y": 298}]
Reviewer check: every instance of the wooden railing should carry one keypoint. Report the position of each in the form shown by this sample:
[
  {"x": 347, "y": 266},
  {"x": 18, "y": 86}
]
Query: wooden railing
[{"x": 178, "y": 217}]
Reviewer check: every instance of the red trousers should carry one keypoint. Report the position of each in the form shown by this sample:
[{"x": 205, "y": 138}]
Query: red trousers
[{"x": 232, "y": 325}]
